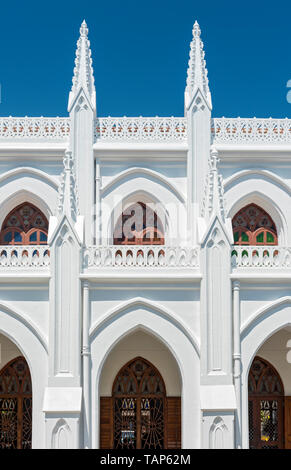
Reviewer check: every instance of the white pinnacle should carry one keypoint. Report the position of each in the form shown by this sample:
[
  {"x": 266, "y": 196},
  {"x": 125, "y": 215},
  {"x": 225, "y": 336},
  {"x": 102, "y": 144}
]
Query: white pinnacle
[
  {"x": 83, "y": 71},
  {"x": 197, "y": 71}
]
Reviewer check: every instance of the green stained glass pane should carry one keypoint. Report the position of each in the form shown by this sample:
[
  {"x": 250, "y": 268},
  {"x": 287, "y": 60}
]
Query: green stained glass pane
[
  {"x": 260, "y": 237},
  {"x": 235, "y": 237},
  {"x": 270, "y": 237},
  {"x": 244, "y": 237},
  {"x": 233, "y": 253},
  {"x": 245, "y": 253}
]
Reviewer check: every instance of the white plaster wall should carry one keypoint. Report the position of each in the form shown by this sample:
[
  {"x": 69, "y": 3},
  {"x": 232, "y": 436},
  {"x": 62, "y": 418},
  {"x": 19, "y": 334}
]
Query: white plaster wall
[
  {"x": 8, "y": 351},
  {"x": 259, "y": 296},
  {"x": 145, "y": 345},
  {"x": 29, "y": 301},
  {"x": 182, "y": 302}
]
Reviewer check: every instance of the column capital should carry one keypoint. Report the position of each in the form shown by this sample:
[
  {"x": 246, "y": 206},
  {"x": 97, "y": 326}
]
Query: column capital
[
  {"x": 86, "y": 284},
  {"x": 236, "y": 285}
]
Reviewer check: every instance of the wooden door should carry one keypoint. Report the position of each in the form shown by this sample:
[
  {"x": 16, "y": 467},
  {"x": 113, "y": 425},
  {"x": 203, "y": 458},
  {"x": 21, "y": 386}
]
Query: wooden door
[
  {"x": 15, "y": 405},
  {"x": 139, "y": 415},
  {"x": 266, "y": 406}
]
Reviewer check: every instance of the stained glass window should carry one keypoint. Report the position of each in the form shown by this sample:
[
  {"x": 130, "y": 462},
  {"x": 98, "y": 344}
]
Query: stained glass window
[
  {"x": 253, "y": 226},
  {"x": 25, "y": 225}
]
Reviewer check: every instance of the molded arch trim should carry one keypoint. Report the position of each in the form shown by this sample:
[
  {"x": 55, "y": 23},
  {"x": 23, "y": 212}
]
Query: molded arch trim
[
  {"x": 27, "y": 322},
  {"x": 147, "y": 173},
  {"x": 139, "y": 302},
  {"x": 271, "y": 177},
  {"x": 31, "y": 171}
]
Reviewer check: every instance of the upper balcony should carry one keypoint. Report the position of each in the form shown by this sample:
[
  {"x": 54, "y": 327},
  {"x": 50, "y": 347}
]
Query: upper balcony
[
  {"x": 260, "y": 261},
  {"x": 148, "y": 261},
  {"x": 24, "y": 261}
]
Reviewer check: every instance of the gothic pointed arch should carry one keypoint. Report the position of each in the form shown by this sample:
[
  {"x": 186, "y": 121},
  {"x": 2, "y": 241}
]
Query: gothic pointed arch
[
  {"x": 254, "y": 226},
  {"x": 139, "y": 407},
  {"x": 266, "y": 398},
  {"x": 15, "y": 405},
  {"x": 24, "y": 225},
  {"x": 139, "y": 224}
]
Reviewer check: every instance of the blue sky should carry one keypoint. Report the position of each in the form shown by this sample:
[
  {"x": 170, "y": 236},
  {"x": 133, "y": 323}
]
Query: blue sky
[{"x": 140, "y": 52}]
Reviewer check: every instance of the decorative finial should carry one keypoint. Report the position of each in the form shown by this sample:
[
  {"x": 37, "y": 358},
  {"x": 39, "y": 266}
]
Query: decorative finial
[
  {"x": 197, "y": 71},
  {"x": 84, "y": 29},
  {"x": 196, "y": 31}
]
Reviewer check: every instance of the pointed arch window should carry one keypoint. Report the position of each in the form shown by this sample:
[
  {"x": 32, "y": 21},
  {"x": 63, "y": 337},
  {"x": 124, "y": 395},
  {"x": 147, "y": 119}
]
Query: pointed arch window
[
  {"x": 139, "y": 224},
  {"x": 253, "y": 226},
  {"x": 24, "y": 225}
]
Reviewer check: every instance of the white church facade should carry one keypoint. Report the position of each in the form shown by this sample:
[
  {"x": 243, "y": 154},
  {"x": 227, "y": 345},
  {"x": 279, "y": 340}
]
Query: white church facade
[{"x": 145, "y": 275}]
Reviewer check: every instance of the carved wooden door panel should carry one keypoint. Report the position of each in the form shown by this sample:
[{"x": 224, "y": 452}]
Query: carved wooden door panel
[
  {"x": 266, "y": 401},
  {"x": 15, "y": 405}
]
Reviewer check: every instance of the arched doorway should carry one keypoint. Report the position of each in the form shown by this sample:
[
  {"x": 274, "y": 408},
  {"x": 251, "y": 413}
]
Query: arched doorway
[
  {"x": 266, "y": 401},
  {"x": 139, "y": 415},
  {"x": 15, "y": 405}
]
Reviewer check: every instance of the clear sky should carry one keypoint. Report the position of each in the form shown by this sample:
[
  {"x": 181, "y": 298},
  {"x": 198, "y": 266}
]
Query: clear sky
[{"x": 140, "y": 51}]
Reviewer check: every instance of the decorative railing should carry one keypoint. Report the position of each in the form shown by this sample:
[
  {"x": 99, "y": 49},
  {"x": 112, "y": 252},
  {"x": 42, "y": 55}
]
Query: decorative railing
[
  {"x": 31, "y": 127},
  {"x": 24, "y": 256},
  {"x": 228, "y": 130},
  {"x": 140, "y": 129},
  {"x": 261, "y": 257},
  {"x": 147, "y": 256}
]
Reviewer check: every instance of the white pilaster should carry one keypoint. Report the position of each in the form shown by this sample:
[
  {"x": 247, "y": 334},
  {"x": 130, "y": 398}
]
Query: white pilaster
[
  {"x": 237, "y": 358},
  {"x": 86, "y": 367}
]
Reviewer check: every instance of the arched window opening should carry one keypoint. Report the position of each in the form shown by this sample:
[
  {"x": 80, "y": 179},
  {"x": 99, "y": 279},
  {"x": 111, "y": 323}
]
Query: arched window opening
[
  {"x": 15, "y": 405},
  {"x": 24, "y": 225},
  {"x": 139, "y": 224},
  {"x": 253, "y": 226},
  {"x": 266, "y": 397},
  {"x": 138, "y": 407}
]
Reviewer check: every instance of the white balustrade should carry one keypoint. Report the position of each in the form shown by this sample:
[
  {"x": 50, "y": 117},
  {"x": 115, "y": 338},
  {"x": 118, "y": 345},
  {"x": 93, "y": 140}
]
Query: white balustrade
[
  {"x": 140, "y": 129},
  {"x": 34, "y": 127},
  {"x": 147, "y": 256},
  {"x": 235, "y": 130},
  {"x": 24, "y": 256},
  {"x": 261, "y": 257}
]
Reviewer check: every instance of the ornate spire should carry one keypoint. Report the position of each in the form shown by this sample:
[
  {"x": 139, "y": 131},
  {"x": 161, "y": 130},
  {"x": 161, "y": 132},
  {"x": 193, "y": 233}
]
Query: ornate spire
[
  {"x": 68, "y": 194},
  {"x": 214, "y": 194},
  {"x": 83, "y": 71},
  {"x": 197, "y": 71}
]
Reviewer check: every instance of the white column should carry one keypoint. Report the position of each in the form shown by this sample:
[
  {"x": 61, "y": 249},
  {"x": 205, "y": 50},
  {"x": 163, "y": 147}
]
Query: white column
[
  {"x": 237, "y": 358},
  {"x": 86, "y": 367}
]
